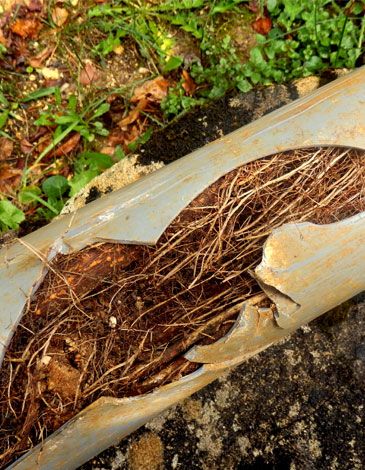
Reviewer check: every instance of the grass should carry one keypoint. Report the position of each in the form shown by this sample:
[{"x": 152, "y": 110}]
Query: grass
[{"x": 64, "y": 129}]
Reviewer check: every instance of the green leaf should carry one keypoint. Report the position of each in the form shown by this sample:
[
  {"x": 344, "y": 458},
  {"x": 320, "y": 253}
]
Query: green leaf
[
  {"x": 44, "y": 119},
  {"x": 172, "y": 64},
  {"x": 40, "y": 93},
  {"x": 110, "y": 43},
  {"x": 96, "y": 160},
  {"x": 313, "y": 64},
  {"x": 10, "y": 215},
  {"x": 58, "y": 97},
  {"x": 72, "y": 103},
  {"x": 357, "y": 9},
  {"x": 271, "y": 5},
  {"x": 119, "y": 152},
  {"x": 81, "y": 179},
  {"x": 102, "y": 109},
  {"x": 55, "y": 186},
  {"x": 223, "y": 6},
  {"x": 256, "y": 57},
  {"x": 142, "y": 139},
  {"x": 54, "y": 204},
  {"x": 244, "y": 85},
  {"x": 3, "y": 100},
  {"x": 104, "y": 10},
  {"x": 67, "y": 119},
  {"x": 29, "y": 194},
  {"x": 3, "y": 118},
  {"x": 102, "y": 131}
]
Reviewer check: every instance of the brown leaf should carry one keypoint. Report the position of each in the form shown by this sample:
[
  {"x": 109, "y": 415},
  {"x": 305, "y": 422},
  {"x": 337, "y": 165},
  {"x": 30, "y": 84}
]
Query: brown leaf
[
  {"x": 59, "y": 16},
  {"x": 6, "y": 148},
  {"x": 26, "y": 27},
  {"x": 188, "y": 84},
  {"x": 253, "y": 6},
  {"x": 37, "y": 60},
  {"x": 116, "y": 137},
  {"x": 133, "y": 115},
  {"x": 9, "y": 178},
  {"x": 25, "y": 146},
  {"x": 35, "y": 5},
  {"x": 153, "y": 90},
  {"x": 89, "y": 73},
  {"x": 262, "y": 25},
  {"x": 3, "y": 40},
  {"x": 124, "y": 137},
  {"x": 68, "y": 146},
  {"x": 108, "y": 150}
]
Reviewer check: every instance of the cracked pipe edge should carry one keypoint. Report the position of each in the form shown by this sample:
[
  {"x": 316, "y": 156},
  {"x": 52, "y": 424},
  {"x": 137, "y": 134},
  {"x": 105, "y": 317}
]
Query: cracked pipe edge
[
  {"x": 139, "y": 214},
  {"x": 308, "y": 269},
  {"x": 301, "y": 252}
]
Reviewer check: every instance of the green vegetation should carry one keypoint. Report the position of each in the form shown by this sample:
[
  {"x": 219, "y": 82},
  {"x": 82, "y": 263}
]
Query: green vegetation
[{"x": 198, "y": 50}]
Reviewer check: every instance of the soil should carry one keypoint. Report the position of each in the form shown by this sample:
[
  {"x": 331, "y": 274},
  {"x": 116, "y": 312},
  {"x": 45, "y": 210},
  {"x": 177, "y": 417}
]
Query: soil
[
  {"x": 234, "y": 110},
  {"x": 147, "y": 453}
]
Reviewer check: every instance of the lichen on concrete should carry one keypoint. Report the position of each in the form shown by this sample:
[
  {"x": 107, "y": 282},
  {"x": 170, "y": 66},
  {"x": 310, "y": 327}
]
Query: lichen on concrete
[{"x": 119, "y": 175}]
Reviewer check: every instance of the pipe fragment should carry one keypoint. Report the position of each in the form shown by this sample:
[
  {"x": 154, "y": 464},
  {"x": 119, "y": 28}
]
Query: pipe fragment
[
  {"x": 318, "y": 266},
  {"x": 308, "y": 269},
  {"x": 333, "y": 115}
]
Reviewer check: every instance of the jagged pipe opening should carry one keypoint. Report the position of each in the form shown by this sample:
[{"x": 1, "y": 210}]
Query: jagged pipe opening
[{"x": 116, "y": 320}]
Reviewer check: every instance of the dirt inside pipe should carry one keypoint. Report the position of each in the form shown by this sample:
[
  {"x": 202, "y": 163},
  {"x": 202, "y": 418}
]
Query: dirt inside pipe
[{"x": 115, "y": 320}]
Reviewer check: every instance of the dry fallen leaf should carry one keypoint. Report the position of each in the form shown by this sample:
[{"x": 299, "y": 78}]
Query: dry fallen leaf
[
  {"x": 133, "y": 115},
  {"x": 26, "y": 27},
  {"x": 124, "y": 137},
  {"x": 188, "y": 84},
  {"x": 3, "y": 40},
  {"x": 37, "y": 60},
  {"x": 253, "y": 6},
  {"x": 6, "y": 148},
  {"x": 153, "y": 90},
  {"x": 68, "y": 146},
  {"x": 89, "y": 73},
  {"x": 59, "y": 16},
  {"x": 34, "y": 5},
  {"x": 9, "y": 178},
  {"x": 107, "y": 150},
  {"x": 25, "y": 146},
  {"x": 262, "y": 25}
]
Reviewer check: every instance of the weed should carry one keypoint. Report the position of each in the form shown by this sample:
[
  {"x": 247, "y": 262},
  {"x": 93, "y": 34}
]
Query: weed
[
  {"x": 308, "y": 37},
  {"x": 88, "y": 165},
  {"x": 301, "y": 38},
  {"x": 10, "y": 216}
]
